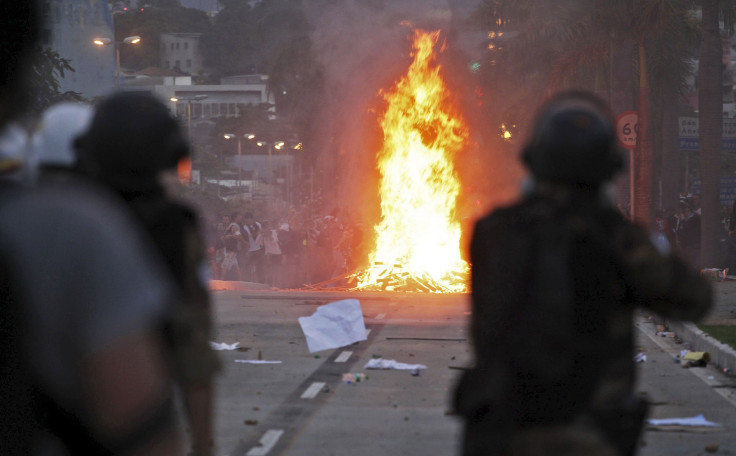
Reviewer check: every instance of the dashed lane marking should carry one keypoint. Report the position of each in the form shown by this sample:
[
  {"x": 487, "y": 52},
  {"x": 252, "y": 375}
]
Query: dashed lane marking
[
  {"x": 267, "y": 442},
  {"x": 312, "y": 391},
  {"x": 343, "y": 357}
]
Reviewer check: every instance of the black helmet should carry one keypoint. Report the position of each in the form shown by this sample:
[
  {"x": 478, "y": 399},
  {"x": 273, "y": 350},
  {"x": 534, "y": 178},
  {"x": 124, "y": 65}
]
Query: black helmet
[
  {"x": 131, "y": 139},
  {"x": 574, "y": 141}
]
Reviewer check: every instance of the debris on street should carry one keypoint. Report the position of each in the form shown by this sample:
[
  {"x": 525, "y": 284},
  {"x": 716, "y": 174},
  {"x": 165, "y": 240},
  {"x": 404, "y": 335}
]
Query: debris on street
[
  {"x": 698, "y": 420},
  {"x": 224, "y": 346},
  {"x": 380, "y": 363},
  {"x": 256, "y": 361},
  {"x": 334, "y": 325}
]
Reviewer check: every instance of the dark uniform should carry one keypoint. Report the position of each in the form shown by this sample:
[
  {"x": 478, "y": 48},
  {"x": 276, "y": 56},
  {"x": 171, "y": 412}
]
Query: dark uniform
[
  {"x": 131, "y": 140},
  {"x": 555, "y": 279}
]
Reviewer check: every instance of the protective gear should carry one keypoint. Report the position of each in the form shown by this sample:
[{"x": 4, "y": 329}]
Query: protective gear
[
  {"x": 60, "y": 125},
  {"x": 574, "y": 142},
  {"x": 13, "y": 148},
  {"x": 133, "y": 137}
]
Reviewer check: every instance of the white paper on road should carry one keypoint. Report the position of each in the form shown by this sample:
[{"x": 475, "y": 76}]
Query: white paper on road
[
  {"x": 256, "y": 361},
  {"x": 693, "y": 421},
  {"x": 380, "y": 363},
  {"x": 334, "y": 325},
  {"x": 224, "y": 346}
]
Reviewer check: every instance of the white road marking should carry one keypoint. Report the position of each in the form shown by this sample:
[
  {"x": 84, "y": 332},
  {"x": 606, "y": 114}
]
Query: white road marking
[
  {"x": 313, "y": 389},
  {"x": 267, "y": 442},
  {"x": 380, "y": 316},
  {"x": 367, "y": 333},
  {"x": 343, "y": 357}
]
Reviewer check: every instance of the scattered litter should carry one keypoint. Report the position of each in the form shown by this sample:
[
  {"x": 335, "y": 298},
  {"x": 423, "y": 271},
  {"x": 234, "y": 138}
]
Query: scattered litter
[
  {"x": 415, "y": 372},
  {"x": 224, "y": 346},
  {"x": 715, "y": 274},
  {"x": 712, "y": 448},
  {"x": 381, "y": 363},
  {"x": 250, "y": 422},
  {"x": 695, "y": 359},
  {"x": 334, "y": 325},
  {"x": 640, "y": 357},
  {"x": 256, "y": 361},
  {"x": 692, "y": 421},
  {"x": 354, "y": 378}
]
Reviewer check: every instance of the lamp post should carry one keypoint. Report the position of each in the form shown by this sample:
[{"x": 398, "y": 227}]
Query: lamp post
[
  {"x": 246, "y": 136},
  {"x": 135, "y": 39},
  {"x": 189, "y": 111}
]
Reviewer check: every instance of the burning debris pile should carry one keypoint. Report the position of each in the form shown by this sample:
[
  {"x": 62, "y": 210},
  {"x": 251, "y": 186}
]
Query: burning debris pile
[
  {"x": 397, "y": 278},
  {"x": 418, "y": 237}
]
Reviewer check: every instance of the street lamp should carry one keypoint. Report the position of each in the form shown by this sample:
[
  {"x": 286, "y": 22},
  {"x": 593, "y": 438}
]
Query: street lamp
[
  {"x": 135, "y": 39},
  {"x": 246, "y": 136},
  {"x": 189, "y": 111}
]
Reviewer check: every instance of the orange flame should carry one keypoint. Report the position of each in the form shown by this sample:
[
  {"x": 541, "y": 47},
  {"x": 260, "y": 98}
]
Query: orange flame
[{"x": 419, "y": 236}]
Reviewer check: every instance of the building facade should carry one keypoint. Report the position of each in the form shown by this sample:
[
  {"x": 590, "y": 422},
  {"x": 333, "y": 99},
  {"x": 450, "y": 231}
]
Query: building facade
[{"x": 180, "y": 52}]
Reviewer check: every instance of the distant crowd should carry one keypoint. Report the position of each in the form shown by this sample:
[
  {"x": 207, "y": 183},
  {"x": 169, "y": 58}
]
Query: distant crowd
[{"x": 284, "y": 252}]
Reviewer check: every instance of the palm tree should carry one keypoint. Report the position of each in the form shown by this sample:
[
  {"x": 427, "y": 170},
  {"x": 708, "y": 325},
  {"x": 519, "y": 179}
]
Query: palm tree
[{"x": 710, "y": 107}]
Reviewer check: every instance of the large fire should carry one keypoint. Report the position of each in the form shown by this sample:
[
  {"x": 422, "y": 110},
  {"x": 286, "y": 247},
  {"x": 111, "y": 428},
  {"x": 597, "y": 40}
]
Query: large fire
[{"x": 418, "y": 238}]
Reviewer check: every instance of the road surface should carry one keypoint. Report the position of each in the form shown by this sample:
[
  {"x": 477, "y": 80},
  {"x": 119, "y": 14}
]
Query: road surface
[{"x": 302, "y": 407}]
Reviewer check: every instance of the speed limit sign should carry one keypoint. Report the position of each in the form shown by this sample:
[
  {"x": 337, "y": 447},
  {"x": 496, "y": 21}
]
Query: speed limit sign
[{"x": 627, "y": 126}]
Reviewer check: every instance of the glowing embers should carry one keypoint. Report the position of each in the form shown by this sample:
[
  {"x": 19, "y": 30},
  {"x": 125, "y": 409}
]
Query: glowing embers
[{"x": 418, "y": 238}]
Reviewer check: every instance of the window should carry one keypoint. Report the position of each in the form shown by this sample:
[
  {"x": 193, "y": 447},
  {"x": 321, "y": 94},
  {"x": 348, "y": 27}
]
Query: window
[
  {"x": 172, "y": 46},
  {"x": 177, "y": 65},
  {"x": 186, "y": 45},
  {"x": 168, "y": 64},
  {"x": 177, "y": 45},
  {"x": 189, "y": 63}
]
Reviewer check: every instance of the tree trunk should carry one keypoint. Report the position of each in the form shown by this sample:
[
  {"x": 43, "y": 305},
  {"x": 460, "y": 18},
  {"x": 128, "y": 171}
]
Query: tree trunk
[
  {"x": 710, "y": 106},
  {"x": 643, "y": 156},
  {"x": 672, "y": 158},
  {"x": 621, "y": 99}
]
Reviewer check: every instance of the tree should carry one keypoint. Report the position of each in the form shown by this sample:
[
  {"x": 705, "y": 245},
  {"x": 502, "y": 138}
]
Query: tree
[
  {"x": 569, "y": 44},
  {"x": 44, "y": 89},
  {"x": 710, "y": 107},
  {"x": 232, "y": 45}
]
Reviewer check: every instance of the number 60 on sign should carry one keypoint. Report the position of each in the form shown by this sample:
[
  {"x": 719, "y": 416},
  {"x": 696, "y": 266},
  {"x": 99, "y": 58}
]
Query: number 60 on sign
[{"x": 627, "y": 127}]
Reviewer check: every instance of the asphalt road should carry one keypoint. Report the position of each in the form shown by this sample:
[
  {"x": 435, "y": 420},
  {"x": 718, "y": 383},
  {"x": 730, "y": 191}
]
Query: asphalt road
[{"x": 302, "y": 407}]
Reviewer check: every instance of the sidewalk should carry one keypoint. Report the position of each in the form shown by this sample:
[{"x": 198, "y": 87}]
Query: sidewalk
[{"x": 723, "y": 313}]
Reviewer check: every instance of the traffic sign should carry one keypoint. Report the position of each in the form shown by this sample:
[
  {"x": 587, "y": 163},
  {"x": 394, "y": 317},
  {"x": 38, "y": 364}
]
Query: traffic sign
[{"x": 627, "y": 126}]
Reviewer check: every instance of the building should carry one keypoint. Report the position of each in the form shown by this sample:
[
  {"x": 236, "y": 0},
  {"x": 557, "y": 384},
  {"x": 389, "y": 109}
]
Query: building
[{"x": 180, "y": 52}]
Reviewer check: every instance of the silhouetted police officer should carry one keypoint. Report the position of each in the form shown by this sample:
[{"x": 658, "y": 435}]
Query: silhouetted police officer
[{"x": 555, "y": 279}]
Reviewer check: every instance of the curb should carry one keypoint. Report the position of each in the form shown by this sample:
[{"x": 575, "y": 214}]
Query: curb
[{"x": 721, "y": 355}]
